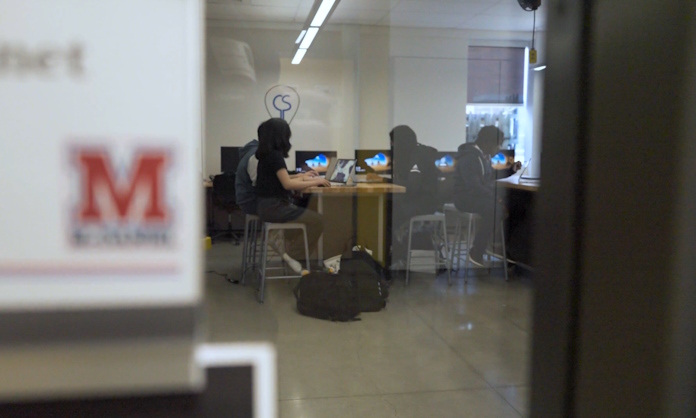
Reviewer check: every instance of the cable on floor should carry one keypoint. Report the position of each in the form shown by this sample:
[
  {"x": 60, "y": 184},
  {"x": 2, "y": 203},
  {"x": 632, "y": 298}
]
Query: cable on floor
[{"x": 225, "y": 275}]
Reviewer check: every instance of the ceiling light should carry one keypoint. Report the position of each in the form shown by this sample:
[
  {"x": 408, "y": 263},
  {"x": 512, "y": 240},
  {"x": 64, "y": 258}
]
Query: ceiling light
[
  {"x": 298, "y": 56},
  {"x": 309, "y": 37},
  {"x": 321, "y": 9},
  {"x": 299, "y": 38},
  {"x": 322, "y": 12}
]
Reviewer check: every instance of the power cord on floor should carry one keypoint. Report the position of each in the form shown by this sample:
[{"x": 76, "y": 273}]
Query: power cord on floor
[{"x": 225, "y": 275}]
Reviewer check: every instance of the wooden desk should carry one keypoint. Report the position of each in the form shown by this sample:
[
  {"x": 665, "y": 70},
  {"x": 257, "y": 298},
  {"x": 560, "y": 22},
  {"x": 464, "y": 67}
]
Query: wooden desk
[
  {"x": 520, "y": 195},
  {"x": 514, "y": 182},
  {"x": 378, "y": 190}
]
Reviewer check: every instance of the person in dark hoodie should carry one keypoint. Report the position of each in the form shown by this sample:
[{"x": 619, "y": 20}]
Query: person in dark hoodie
[
  {"x": 413, "y": 166},
  {"x": 474, "y": 187}
]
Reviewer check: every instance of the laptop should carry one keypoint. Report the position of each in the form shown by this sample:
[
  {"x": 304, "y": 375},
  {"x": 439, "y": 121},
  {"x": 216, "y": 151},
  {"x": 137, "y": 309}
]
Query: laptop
[
  {"x": 342, "y": 173},
  {"x": 524, "y": 170}
]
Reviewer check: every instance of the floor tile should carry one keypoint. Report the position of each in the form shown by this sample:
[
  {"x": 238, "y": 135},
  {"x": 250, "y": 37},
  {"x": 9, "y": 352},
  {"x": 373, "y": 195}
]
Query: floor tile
[
  {"x": 366, "y": 406},
  {"x": 518, "y": 397},
  {"x": 484, "y": 403},
  {"x": 436, "y": 350}
]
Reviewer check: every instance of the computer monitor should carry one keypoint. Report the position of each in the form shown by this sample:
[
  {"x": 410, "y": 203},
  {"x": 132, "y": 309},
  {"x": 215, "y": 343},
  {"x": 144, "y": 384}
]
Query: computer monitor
[
  {"x": 505, "y": 158},
  {"x": 445, "y": 162},
  {"x": 313, "y": 160},
  {"x": 229, "y": 159},
  {"x": 373, "y": 161}
]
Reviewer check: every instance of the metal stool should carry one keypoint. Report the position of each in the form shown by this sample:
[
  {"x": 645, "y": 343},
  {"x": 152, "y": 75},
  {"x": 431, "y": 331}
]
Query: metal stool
[
  {"x": 251, "y": 225},
  {"x": 470, "y": 219},
  {"x": 437, "y": 218},
  {"x": 267, "y": 227}
]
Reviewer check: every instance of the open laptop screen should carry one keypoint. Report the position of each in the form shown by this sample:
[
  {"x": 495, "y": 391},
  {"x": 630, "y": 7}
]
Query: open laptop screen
[{"x": 344, "y": 169}]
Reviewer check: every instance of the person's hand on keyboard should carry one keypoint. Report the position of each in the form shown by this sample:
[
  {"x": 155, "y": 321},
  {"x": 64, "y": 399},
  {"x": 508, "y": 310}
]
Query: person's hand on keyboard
[{"x": 322, "y": 182}]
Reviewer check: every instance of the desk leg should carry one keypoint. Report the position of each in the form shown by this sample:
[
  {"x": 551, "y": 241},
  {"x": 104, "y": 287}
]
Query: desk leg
[
  {"x": 320, "y": 241},
  {"x": 380, "y": 228}
]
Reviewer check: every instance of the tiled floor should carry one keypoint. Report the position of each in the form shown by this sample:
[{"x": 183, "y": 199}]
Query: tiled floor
[{"x": 435, "y": 351}]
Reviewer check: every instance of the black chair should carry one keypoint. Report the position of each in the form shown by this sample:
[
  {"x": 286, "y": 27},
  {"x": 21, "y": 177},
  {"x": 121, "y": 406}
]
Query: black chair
[{"x": 224, "y": 198}]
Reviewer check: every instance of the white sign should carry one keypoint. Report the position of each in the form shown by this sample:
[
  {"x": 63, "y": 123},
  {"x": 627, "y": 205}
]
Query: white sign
[{"x": 99, "y": 184}]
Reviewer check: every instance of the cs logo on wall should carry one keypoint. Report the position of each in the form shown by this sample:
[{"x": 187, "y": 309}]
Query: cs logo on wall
[
  {"x": 121, "y": 198},
  {"x": 282, "y": 102}
]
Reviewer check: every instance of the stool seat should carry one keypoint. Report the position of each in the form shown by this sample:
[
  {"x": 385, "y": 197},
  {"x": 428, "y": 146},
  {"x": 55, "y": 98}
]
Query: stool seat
[
  {"x": 267, "y": 228},
  {"x": 251, "y": 246},
  {"x": 435, "y": 218},
  {"x": 470, "y": 218},
  {"x": 251, "y": 223}
]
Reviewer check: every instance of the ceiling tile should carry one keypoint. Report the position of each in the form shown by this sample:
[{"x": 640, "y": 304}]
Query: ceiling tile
[
  {"x": 357, "y": 16},
  {"x": 251, "y": 13},
  {"x": 279, "y": 3},
  {"x": 367, "y": 4},
  {"x": 424, "y": 20},
  {"x": 501, "y": 23},
  {"x": 445, "y": 6},
  {"x": 512, "y": 8},
  {"x": 503, "y": 15}
]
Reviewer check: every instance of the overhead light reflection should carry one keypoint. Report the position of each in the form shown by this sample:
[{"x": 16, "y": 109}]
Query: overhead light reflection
[
  {"x": 298, "y": 56},
  {"x": 322, "y": 12},
  {"x": 309, "y": 37}
]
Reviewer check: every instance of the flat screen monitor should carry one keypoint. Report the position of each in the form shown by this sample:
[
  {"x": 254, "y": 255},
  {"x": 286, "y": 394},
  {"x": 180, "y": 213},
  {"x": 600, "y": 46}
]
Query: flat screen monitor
[
  {"x": 503, "y": 159},
  {"x": 445, "y": 162},
  {"x": 373, "y": 161},
  {"x": 313, "y": 160},
  {"x": 229, "y": 159}
]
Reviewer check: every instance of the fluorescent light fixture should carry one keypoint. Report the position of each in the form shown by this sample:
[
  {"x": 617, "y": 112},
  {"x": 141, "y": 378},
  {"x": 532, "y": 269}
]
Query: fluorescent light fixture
[
  {"x": 322, "y": 12},
  {"x": 298, "y": 56},
  {"x": 309, "y": 38},
  {"x": 299, "y": 38},
  {"x": 525, "y": 88},
  {"x": 540, "y": 68}
]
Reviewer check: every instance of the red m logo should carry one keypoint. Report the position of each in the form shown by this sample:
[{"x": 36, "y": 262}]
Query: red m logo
[{"x": 140, "y": 196}]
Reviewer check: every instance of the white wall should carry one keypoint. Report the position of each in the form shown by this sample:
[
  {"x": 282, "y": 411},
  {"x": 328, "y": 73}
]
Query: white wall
[
  {"x": 429, "y": 80},
  {"x": 235, "y": 100},
  {"x": 429, "y": 95},
  {"x": 356, "y": 84}
]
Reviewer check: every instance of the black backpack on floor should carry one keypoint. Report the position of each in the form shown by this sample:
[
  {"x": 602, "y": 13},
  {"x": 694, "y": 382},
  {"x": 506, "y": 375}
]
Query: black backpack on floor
[
  {"x": 327, "y": 296},
  {"x": 369, "y": 278}
]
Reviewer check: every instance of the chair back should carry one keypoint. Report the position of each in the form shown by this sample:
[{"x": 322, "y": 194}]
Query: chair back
[{"x": 224, "y": 189}]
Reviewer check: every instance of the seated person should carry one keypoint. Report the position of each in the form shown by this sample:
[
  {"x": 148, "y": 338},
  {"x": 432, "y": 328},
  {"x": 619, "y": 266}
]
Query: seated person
[
  {"x": 413, "y": 166},
  {"x": 474, "y": 187},
  {"x": 245, "y": 180},
  {"x": 273, "y": 191}
]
